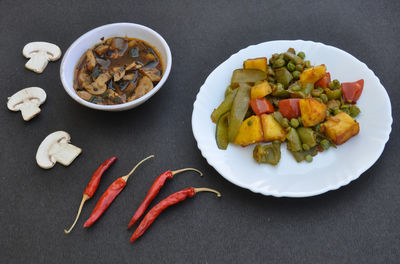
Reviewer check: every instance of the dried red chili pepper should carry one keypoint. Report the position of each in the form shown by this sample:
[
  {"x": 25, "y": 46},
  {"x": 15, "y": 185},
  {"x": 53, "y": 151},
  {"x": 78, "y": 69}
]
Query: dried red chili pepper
[
  {"x": 164, "y": 204},
  {"x": 92, "y": 187},
  {"x": 154, "y": 190},
  {"x": 110, "y": 194}
]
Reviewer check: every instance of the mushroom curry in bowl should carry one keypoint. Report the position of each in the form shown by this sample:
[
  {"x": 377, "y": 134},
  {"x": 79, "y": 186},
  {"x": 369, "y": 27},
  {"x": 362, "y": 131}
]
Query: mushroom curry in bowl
[{"x": 117, "y": 71}]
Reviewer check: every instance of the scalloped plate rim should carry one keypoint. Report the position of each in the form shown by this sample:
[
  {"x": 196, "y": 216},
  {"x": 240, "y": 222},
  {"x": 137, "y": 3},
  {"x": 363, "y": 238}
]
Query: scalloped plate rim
[{"x": 298, "y": 194}]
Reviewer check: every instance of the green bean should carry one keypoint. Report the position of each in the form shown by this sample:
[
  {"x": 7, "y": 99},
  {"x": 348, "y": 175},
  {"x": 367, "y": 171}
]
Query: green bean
[
  {"x": 247, "y": 76},
  {"x": 305, "y": 147},
  {"x": 279, "y": 63},
  {"x": 271, "y": 79},
  {"x": 283, "y": 76},
  {"x": 307, "y": 136},
  {"x": 221, "y": 131},
  {"x": 291, "y": 50},
  {"x": 317, "y": 92},
  {"x": 293, "y": 58},
  {"x": 301, "y": 55},
  {"x": 239, "y": 109},
  {"x": 278, "y": 117},
  {"x": 325, "y": 144},
  {"x": 270, "y": 153},
  {"x": 271, "y": 72},
  {"x": 279, "y": 91},
  {"x": 285, "y": 122},
  {"x": 294, "y": 122},
  {"x": 300, "y": 121},
  {"x": 324, "y": 98},
  {"x": 294, "y": 143},
  {"x": 295, "y": 87},
  {"x": 225, "y": 106}
]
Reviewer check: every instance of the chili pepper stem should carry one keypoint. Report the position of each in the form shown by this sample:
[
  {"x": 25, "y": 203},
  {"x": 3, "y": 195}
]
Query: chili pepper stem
[
  {"x": 84, "y": 199},
  {"x": 196, "y": 190},
  {"x": 186, "y": 169},
  {"x": 126, "y": 177}
]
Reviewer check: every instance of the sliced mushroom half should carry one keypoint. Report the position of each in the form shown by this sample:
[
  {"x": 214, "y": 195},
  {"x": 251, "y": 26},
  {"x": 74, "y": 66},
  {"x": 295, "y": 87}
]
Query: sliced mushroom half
[
  {"x": 39, "y": 54},
  {"x": 27, "y": 101},
  {"x": 56, "y": 148}
]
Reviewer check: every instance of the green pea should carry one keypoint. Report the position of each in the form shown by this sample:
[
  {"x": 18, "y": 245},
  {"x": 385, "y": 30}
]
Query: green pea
[
  {"x": 309, "y": 158},
  {"x": 290, "y": 66},
  {"x": 299, "y": 67},
  {"x": 296, "y": 74},
  {"x": 336, "y": 83},
  {"x": 317, "y": 92},
  {"x": 336, "y": 110},
  {"x": 307, "y": 64},
  {"x": 324, "y": 98},
  {"x": 279, "y": 63},
  {"x": 296, "y": 87},
  {"x": 301, "y": 55},
  {"x": 294, "y": 122},
  {"x": 306, "y": 147},
  {"x": 331, "y": 85},
  {"x": 325, "y": 144},
  {"x": 285, "y": 122},
  {"x": 250, "y": 122},
  {"x": 354, "y": 111}
]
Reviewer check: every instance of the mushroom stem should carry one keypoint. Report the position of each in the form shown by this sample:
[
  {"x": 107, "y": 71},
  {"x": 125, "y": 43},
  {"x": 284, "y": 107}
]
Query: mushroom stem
[
  {"x": 187, "y": 169},
  {"x": 196, "y": 190},
  {"x": 38, "y": 62},
  {"x": 126, "y": 177},
  {"x": 84, "y": 199},
  {"x": 64, "y": 153},
  {"x": 29, "y": 110}
]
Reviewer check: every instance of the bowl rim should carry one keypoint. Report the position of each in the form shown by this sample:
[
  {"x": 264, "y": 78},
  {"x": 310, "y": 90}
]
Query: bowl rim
[{"x": 124, "y": 106}]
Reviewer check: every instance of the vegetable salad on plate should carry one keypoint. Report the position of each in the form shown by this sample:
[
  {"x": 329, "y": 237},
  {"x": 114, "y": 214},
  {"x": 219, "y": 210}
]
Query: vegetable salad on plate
[{"x": 286, "y": 99}]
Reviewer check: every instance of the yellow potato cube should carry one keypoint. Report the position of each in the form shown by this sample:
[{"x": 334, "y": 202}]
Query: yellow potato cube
[
  {"x": 340, "y": 128},
  {"x": 258, "y": 64},
  {"x": 260, "y": 90},
  {"x": 312, "y": 112},
  {"x": 313, "y": 74},
  {"x": 272, "y": 129},
  {"x": 250, "y": 131}
]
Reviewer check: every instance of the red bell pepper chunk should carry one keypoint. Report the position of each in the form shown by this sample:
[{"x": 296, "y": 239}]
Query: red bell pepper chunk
[
  {"x": 290, "y": 108},
  {"x": 324, "y": 81},
  {"x": 261, "y": 106},
  {"x": 352, "y": 90}
]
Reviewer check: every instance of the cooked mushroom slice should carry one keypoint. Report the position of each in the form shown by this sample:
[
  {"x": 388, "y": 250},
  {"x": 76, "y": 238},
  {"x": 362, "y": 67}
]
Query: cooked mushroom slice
[
  {"x": 84, "y": 95},
  {"x": 152, "y": 73},
  {"x": 129, "y": 77},
  {"x": 27, "y": 101},
  {"x": 101, "y": 49},
  {"x": 90, "y": 60},
  {"x": 119, "y": 72},
  {"x": 83, "y": 77},
  {"x": 144, "y": 86},
  {"x": 99, "y": 85},
  {"x": 133, "y": 65},
  {"x": 40, "y": 53},
  {"x": 56, "y": 148}
]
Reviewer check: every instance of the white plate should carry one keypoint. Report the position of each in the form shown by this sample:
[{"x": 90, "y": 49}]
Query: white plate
[{"x": 330, "y": 169}]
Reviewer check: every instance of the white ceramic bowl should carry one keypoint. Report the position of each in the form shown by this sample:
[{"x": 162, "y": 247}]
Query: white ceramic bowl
[{"x": 89, "y": 39}]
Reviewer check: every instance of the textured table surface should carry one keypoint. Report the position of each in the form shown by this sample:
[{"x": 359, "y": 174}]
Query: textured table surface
[{"x": 358, "y": 223}]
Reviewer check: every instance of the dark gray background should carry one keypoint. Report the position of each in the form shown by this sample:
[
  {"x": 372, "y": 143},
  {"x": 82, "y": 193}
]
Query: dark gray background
[{"x": 358, "y": 223}]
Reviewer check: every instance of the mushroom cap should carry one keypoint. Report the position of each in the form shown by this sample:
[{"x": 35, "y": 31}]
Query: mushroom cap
[
  {"x": 32, "y": 93},
  {"x": 43, "y": 158},
  {"x": 52, "y": 50}
]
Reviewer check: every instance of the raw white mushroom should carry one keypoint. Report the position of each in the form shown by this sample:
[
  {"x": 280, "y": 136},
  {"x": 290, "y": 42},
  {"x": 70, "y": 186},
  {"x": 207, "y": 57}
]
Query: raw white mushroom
[
  {"x": 40, "y": 53},
  {"x": 27, "y": 101},
  {"x": 56, "y": 148}
]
